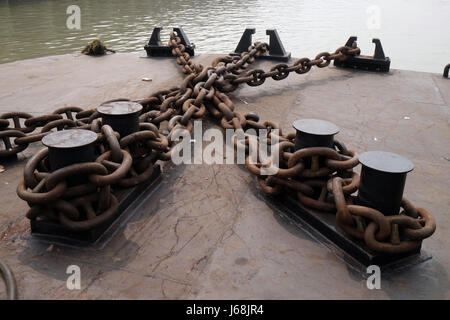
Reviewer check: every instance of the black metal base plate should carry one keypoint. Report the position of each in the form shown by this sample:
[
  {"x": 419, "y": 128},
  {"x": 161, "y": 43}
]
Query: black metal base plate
[
  {"x": 324, "y": 224},
  {"x": 164, "y": 51},
  {"x": 272, "y": 57},
  {"x": 56, "y": 233},
  {"x": 360, "y": 62}
]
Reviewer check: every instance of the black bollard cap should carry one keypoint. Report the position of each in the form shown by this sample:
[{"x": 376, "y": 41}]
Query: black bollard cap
[
  {"x": 314, "y": 133},
  {"x": 122, "y": 116},
  {"x": 386, "y": 162},
  {"x": 119, "y": 108},
  {"x": 70, "y": 146},
  {"x": 71, "y": 138},
  {"x": 383, "y": 177}
]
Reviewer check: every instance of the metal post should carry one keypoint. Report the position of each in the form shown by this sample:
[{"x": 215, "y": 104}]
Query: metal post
[
  {"x": 122, "y": 116},
  {"x": 185, "y": 40},
  {"x": 245, "y": 42},
  {"x": 155, "y": 38},
  {"x": 276, "y": 48},
  {"x": 314, "y": 133},
  {"x": 383, "y": 177},
  {"x": 68, "y": 147},
  {"x": 446, "y": 69}
]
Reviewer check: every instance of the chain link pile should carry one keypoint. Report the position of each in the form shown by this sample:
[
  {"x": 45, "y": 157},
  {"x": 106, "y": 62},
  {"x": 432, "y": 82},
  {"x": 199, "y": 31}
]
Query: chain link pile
[{"x": 321, "y": 178}]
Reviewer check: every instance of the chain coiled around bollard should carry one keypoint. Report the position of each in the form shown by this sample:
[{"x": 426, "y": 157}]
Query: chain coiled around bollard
[
  {"x": 327, "y": 184},
  {"x": 322, "y": 178}
]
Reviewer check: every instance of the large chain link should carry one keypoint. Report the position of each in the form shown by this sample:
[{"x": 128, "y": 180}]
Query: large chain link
[{"x": 281, "y": 71}]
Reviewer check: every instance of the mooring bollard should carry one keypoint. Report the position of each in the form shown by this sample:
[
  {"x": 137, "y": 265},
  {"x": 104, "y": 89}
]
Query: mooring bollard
[
  {"x": 276, "y": 48},
  {"x": 122, "y": 116},
  {"x": 70, "y": 146},
  {"x": 314, "y": 133},
  {"x": 378, "y": 62},
  {"x": 155, "y": 48},
  {"x": 383, "y": 177}
]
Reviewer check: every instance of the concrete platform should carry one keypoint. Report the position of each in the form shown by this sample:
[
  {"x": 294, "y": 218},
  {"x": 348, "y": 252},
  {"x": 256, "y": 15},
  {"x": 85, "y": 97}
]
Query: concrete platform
[{"x": 206, "y": 233}]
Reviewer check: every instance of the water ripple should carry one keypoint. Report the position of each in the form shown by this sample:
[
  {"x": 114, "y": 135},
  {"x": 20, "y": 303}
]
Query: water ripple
[{"x": 411, "y": 31}]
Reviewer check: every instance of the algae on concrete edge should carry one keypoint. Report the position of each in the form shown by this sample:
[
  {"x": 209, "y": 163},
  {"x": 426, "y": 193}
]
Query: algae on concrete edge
[{"x": 96, "y": 48}]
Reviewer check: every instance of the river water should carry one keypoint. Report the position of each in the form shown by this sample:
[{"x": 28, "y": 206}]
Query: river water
[{"x": 415, "y": 33}]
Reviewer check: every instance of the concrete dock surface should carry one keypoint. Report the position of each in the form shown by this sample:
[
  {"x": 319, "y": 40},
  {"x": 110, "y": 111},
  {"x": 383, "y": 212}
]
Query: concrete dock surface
[{"x": 206, "y": 232}]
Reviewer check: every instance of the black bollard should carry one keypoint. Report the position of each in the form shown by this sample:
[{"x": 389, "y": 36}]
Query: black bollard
[
  {"x": 383, "y": 177},
  {"x": 68, "y": 147},
  {"x": 314, "y": 133},
  {"x": 122, "y": 116}
]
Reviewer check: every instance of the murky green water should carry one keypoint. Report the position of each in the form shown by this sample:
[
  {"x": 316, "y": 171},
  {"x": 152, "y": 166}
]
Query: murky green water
[{"x": 414, "y": 33}]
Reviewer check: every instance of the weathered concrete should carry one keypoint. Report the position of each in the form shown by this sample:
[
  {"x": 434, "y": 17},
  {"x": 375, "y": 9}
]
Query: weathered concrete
[{"x": 206, "y": 233}]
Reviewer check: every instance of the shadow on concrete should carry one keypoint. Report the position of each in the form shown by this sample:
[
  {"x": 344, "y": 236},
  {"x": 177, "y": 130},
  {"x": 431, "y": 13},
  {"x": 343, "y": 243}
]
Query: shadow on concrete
[
  {"x": 428, "y": 280},
  {"x": 54, "y": 262}
]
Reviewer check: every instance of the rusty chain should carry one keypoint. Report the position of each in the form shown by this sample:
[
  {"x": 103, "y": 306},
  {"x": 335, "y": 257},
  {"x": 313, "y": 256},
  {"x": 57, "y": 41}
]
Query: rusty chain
[
  {"x": 281, "y": 71},
  {"x": 321, "y": 178}
]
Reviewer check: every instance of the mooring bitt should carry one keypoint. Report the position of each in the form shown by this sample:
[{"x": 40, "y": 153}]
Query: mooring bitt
[
  {"x": 155, "y": 47},
  {"x": 378, "y": 62},
  {"x": 276, "y": 48}
]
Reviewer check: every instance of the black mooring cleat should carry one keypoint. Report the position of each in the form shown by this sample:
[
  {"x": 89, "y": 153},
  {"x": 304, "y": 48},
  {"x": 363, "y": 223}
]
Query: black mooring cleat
[
  {"x": 245, "y": 42},
  {"x": 276, "y": 48},
  {"x": 378, "y": 62},
  {"x": 155, "y": 48}
]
